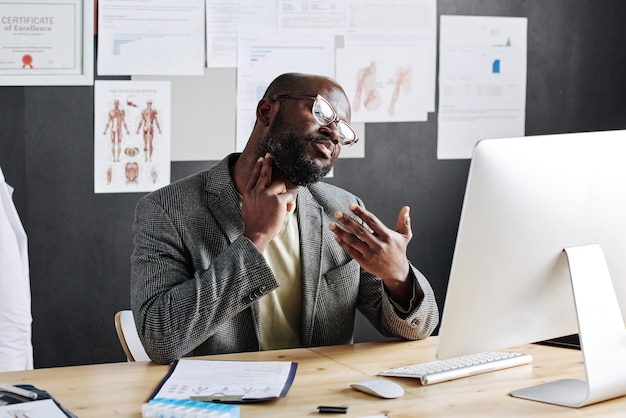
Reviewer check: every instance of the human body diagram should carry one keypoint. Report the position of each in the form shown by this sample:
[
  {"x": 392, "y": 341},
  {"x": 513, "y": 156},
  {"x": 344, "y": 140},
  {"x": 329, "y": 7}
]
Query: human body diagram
[
  {"x": 148, "y": 121},
  {"x": 116, "y": 120},
  {"x": 125, "y": 147},
  {"x": 368, "y": 89}
]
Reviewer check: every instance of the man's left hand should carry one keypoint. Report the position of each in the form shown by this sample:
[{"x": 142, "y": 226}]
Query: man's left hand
[{"x": 378, "y": 249}]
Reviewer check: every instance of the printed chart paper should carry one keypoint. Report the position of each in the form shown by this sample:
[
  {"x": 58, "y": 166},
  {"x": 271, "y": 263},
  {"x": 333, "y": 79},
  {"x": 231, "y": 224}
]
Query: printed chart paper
[
  {"x": 151, "y": 37},
  {"x": 482, "y": 82}
]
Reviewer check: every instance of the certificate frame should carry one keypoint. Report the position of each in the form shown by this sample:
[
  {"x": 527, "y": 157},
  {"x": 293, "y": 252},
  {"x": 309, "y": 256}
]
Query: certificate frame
[{"x": 67, "y": 51}]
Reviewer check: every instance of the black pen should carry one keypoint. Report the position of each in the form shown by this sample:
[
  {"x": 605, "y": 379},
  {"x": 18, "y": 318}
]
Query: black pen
[{"x": 326, "y": 409}]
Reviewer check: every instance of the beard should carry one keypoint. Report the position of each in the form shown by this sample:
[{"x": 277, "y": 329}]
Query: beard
[{"x": 290, "y": 155}]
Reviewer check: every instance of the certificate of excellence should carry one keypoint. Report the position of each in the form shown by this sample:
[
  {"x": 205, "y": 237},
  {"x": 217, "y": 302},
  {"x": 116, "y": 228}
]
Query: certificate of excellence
[{"x": 42, "y": 37}]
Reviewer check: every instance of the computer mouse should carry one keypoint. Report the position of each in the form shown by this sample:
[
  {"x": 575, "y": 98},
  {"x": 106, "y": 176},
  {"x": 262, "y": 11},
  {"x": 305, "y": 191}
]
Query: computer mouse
[{"x": 382, "y": 388}]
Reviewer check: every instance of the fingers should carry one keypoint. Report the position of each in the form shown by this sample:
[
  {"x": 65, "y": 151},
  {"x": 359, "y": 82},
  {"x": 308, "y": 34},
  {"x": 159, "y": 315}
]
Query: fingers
[
  {"x": 265, "y": 189},
  {"x": 403, "y": 226},
  {"x": 379, "y": 250},
  {"x": 371, "y": 224},
  {"x": 256, "y": 172},
  {"x": 261, "y": 174},
  {"x": 364, "y": 230},
  {"x": 349, "y": 241},
  {"x": 265, "y": 173},
  {"x": 358, "y": 235},
  {"x": 371, "y": 229}
]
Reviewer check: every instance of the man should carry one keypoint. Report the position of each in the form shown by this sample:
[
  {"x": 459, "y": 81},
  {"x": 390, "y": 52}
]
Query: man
[{"x": 257, "y": 254}]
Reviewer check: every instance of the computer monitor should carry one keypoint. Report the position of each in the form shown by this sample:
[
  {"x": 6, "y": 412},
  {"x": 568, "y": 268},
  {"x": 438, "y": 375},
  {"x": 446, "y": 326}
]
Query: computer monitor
[{"x": 511, "y": 282}]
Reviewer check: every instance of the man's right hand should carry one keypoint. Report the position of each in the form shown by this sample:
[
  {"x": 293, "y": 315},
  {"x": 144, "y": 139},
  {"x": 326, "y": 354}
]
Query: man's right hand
[{"x": 265, "y": 204}]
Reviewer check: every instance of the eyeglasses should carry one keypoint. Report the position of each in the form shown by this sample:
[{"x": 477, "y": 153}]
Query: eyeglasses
[{"x": 324, "y": 114}]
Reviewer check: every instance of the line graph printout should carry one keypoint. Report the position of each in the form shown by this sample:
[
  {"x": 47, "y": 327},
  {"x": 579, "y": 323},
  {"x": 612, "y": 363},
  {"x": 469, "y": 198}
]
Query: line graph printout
[
  {"x": 482, "y": 82},
  {"x": 151, "y": 37}
]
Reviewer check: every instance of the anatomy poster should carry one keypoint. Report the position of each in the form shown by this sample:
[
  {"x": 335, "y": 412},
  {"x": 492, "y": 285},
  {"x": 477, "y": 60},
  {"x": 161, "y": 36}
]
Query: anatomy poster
[
  {"x": 385, "y": 84},
  {"x": 131, "y": 135}
]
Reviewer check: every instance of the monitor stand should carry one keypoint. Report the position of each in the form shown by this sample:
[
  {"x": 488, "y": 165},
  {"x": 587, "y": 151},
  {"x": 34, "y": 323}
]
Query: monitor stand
[{"x": 602, "y": 336}]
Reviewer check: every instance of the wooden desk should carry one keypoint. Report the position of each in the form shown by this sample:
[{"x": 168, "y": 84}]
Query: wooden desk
[{"x": 119, "y": 389}]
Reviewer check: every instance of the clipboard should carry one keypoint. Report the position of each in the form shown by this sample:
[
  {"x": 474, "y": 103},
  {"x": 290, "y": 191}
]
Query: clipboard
[
  {"x": 8, "y": 398},
  {"x": 226, "y": 381}
]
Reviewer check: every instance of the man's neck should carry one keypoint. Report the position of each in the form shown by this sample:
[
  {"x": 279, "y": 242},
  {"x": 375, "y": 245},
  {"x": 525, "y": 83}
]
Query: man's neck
[{"x": 242, "y": 168}]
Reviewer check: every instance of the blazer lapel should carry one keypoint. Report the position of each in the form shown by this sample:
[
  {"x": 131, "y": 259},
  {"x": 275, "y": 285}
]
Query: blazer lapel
[
  {"x": 310, "y": 217},
  {"x": 223, "y": 201}
]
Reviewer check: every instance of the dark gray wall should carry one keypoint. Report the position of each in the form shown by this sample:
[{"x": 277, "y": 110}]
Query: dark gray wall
[{"x": 80, "y": 242}]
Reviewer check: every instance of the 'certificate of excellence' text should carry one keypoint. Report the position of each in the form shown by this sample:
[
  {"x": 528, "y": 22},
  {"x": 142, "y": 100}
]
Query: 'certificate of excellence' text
[{"x": 41, "y": 37}]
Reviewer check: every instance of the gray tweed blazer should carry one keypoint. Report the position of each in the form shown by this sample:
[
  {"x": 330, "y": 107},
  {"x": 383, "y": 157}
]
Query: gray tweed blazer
[{"x": 196, "y": 279}]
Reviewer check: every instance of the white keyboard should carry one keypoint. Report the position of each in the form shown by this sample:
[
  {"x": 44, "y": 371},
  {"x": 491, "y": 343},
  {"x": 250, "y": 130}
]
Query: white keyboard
[{"x": 458, "y": 367}]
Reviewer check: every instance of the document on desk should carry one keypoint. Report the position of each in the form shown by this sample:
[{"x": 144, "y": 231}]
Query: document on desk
[
  {"x": 43, "y": 408},
  {"x": 227, "y": 381}
]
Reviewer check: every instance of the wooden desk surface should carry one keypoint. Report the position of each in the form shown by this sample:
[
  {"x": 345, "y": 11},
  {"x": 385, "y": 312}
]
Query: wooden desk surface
[{"x": 323, "y": 377}]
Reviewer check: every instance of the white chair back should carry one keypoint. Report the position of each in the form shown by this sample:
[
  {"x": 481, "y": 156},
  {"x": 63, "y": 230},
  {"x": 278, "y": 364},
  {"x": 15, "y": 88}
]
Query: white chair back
[{"x": 129, "y": 339}]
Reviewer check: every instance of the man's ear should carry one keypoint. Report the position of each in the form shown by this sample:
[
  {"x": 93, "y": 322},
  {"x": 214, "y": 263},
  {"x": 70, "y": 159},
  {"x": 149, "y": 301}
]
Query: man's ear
[{"x": 264, "y": 111}]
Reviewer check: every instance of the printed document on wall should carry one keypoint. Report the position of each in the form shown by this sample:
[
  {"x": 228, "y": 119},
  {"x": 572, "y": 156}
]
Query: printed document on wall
[
  {"x": 151, "y": 37},
  {"x": 132, "y": 136},
  {"x": 378, "y": 29},
  {"x": 224, "y": 18},
  {"x": 263, "y": 55},
  {"x": 482, "y": 82},
  {"x": 385, "y": 84},
  {"x": 316, "y": 16}
]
